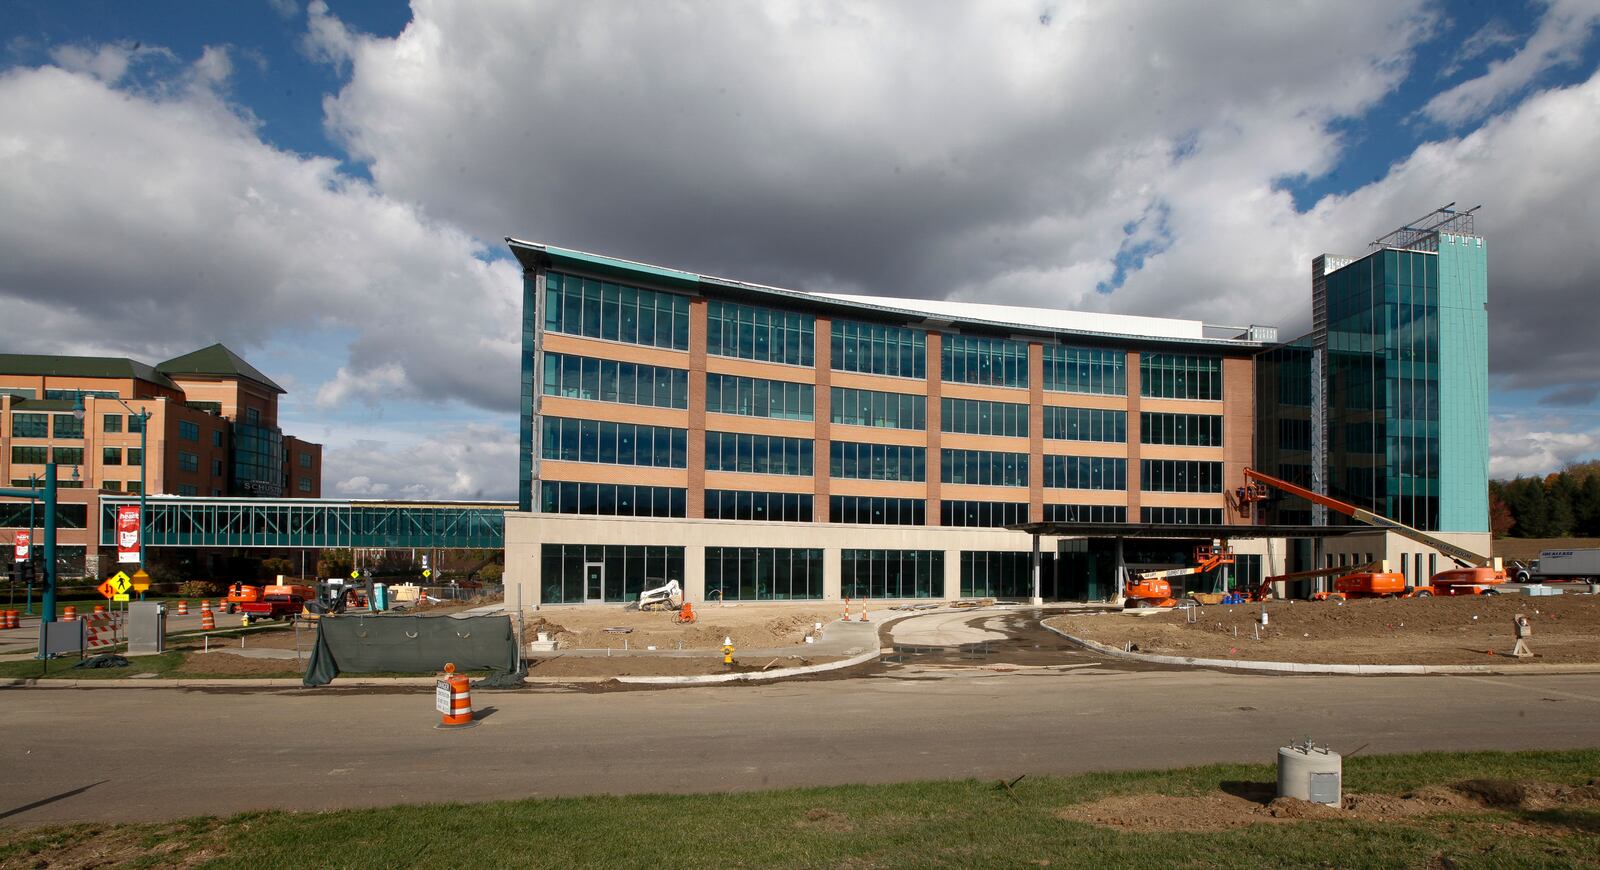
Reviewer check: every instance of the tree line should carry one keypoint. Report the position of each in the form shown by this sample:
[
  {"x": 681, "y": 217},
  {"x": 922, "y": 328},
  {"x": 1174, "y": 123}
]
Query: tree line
[{"x": 1561, "y": 505}]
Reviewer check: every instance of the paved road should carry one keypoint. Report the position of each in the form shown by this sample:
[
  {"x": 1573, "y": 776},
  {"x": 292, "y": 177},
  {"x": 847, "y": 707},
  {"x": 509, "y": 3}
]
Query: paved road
[{"x": 122, "y": 754}]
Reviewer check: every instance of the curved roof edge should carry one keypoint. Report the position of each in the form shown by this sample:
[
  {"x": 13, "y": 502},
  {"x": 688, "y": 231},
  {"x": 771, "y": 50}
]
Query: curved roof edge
[{"x": 1003, "y": 318}]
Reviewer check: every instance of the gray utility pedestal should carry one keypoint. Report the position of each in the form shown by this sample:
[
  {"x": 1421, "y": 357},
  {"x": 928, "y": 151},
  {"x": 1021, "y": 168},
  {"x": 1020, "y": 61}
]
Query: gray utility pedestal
[{"x": 147, "y": 628}]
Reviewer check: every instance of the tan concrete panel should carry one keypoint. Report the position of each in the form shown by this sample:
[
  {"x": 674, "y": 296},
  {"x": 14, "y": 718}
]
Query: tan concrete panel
[
  {"x": 877, "y": 435},
  {"x": 724, "y": 365},
  {"x": 695, "y": 450},
  {"x": 1086, "y": 400},
  {"x": 1171, "y": 451},
  {"x": 961, "y": 441},
  {"x": 1084, "y": 496},
  {"x": 1182, "y": 406},
  {"x": 880, "y": 383},
  {"x": 1014, "y": 395},
  {"x": 1114, "y": 449},
  {"x": 761, "y": 426},
  {"x": 759, "y": 482},
  {"x": 973, "y": 492},
  {"x": 593, "y": 472},
  {"x": 583, "y": 409},
  {"x": 883, "y": 488},
  {"x": 620, "y": 350},
  {"x": 1182, "y": 499}
]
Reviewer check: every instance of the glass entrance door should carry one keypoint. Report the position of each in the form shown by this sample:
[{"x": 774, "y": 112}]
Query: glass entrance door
[{"x": 594, "y": 582}]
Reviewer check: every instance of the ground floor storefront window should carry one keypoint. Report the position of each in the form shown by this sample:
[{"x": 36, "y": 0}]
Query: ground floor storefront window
[
  {"x": 762, "y": 573},
  {"x": 578, "y": 573},
  {"x": 892, "y": 573},
  {"x": 996, "y": 575}
]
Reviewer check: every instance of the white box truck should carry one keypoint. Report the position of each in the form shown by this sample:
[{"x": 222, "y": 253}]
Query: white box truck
[{"x": 1556, "y": 565}]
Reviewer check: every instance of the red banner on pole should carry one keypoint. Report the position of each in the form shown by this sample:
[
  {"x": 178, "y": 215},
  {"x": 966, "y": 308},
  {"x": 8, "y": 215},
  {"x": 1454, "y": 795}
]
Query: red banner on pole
[
  {"x": 22, "y": 546},
  {"x": 128, "y": 533}
]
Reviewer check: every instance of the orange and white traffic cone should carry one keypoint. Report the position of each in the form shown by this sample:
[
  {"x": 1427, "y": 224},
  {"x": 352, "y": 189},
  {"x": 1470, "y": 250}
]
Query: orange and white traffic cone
[
  {"x": 183, "y": 608},
  {"x": 864, "y": 612},
  {"x": 846, "y": 617},
  {"x": 208, "y": 620},
  {"x": 453, "y": 700}
]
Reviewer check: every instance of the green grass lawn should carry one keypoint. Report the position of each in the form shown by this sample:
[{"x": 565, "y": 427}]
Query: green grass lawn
[{"x": 926, "y": 824}]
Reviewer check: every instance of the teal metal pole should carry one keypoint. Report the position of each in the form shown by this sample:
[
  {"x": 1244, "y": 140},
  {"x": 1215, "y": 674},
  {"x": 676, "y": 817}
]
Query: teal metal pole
[{"x": 144, "y": 463}]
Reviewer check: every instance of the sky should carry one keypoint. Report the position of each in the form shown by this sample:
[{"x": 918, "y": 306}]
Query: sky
[{"x": 325, "y": 186}]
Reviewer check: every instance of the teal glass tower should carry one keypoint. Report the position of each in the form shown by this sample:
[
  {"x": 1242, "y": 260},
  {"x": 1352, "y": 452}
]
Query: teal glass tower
[{"x": 1397, "y": 365}]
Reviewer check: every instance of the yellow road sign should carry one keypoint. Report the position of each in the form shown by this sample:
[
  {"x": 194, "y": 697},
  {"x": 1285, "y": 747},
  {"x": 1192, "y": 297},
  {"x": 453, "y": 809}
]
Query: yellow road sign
[
  {"x": 120, "y": 583},
  {"x": 141, "y": 580},
  {"x": 120, "y": 596},
  {"x": 426, "y": 573}
]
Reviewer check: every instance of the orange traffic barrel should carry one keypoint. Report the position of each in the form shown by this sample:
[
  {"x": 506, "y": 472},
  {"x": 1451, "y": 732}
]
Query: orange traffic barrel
[
  {"x": 453, "y": 699},
  {"x": 205, "y": 604},
  {"x": 183, "y": 608},
  {"x": 208, "y": 620},
  {"x": 99, "y": 609},
  {"x": 12, "y": 619},
  {"x": 69, "y": 614}
]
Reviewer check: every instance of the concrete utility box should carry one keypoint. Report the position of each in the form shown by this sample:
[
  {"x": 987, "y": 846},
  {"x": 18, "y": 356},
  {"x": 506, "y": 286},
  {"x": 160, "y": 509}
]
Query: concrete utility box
[
  {"x": 147, "y": 628},
  {"x": 1310, "y": 773}
]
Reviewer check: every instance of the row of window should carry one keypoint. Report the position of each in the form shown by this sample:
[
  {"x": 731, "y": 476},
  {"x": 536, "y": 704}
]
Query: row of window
[
  {"x": 575, "y": 440},
  {"x": 1188, "y": 430},
  {"x": 1085, "y": 472},
  {"x": 1180, "y": 475},
  {"x": 986, "y": 514},
  {"x": 611, "y": 499},
  {"x": 605, "y": 380},
  {"x": 759, "y": 397},
  {"x": 851, "y": 459},
  {"x": 1085, "y": 370},
  {"x": 616, "y": 312},
  {"x": 891, "y": 573},
  {"x": 762, "y": 573},
  {"x": 758, "y": 454},
  {"x": 756, "y": 333},
  {"x": 876, "y": 408},
  {"x": 34, "y": 455},
  {"x": 1085, "y": 424},
  {"x": 983, "y": 467},
  {"x": 1180, "y": 516},
  {"x": 879, "y": 350},
  {"x": 576, "y": 573},
  {"x": 877, "y": 510},
  {"x": 30, "y": 425},
  {"x": 978, "y": 417},
  {"x": 731, "y": 504},
  {"x": 976, "y": 359},
  {"x": 1180, "y": 376},
  {"x": 1085, "y": 513}
]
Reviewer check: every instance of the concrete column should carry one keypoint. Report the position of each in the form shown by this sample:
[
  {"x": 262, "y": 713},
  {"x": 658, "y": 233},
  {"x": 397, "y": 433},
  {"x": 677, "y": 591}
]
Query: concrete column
[
  {"x": 1037, "y": 598},
  {"x": 952, "y": 574},
  {"x": 832, "y": 574},
  {"x": 694, "y": 573}
]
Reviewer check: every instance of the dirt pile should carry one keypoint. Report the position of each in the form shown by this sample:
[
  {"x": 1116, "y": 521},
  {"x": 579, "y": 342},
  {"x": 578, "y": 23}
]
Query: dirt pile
[
  {"x": 751, "y": 626},
  {"x": 1228, "y": 810},
  {"x": 1464, "y": 630}
]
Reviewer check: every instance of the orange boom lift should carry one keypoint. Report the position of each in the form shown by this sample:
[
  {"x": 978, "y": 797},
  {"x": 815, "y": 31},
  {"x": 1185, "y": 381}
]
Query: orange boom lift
[{"x": 1475, "y": 574}]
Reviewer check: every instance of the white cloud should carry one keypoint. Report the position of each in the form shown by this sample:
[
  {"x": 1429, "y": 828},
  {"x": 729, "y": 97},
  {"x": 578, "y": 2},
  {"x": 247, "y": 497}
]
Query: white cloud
[
  {"x": 1563, "y": 30},
  {"x": 1521, "y": 445},
  {"x": 192, "y": 230},
  {"x": 476, "y": 461},
  {"x": 108, "y": 62}
]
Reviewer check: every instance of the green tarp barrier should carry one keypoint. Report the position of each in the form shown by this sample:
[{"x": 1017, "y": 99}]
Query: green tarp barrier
[{"x": 414, "y": 644}]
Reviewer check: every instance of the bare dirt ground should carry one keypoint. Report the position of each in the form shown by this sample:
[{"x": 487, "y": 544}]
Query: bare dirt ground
[
  {"x": 660, "y": 666},
  {"x": 1464, "y": 630},
  {"x": 752, "y": 626},
  {"x": 220, "y": 663},
  {"x": 1244, "y": 804}
]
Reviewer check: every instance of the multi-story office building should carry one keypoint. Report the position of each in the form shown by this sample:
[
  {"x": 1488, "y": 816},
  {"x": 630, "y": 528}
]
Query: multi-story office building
[
  {"x": 757, "y": 443},
  {"x": 212, "y": 431}
]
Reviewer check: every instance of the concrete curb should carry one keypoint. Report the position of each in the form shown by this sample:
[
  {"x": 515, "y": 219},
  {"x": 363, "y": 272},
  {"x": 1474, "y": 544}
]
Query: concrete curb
[
  {"x": 1312, "y": 668},
  {"x": 753, "y": 676}
]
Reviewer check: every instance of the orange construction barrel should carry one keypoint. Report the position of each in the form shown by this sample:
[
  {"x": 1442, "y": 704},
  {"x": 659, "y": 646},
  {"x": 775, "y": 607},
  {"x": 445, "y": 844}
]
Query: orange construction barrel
[{"x": 453, "y": 700}]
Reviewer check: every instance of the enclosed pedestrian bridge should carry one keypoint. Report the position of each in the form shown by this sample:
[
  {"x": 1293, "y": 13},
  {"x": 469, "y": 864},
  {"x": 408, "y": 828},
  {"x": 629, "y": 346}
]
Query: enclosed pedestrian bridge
[{"x": 177, "y": 521}]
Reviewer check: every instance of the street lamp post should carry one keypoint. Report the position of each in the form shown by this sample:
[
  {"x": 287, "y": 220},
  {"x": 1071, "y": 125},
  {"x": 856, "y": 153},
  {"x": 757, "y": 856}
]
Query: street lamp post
[{"x": 143, "y": 416}]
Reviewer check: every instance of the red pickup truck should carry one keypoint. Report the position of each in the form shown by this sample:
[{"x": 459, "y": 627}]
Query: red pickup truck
[{"x": 277, "y": 602}]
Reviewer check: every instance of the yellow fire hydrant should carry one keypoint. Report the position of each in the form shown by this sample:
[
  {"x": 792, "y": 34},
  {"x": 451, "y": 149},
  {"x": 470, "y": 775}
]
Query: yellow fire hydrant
[{"x": 727, "y": 651}]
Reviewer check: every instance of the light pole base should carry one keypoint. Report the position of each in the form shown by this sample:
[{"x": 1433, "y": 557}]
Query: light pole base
[{"x": 1036, "y": 601}]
